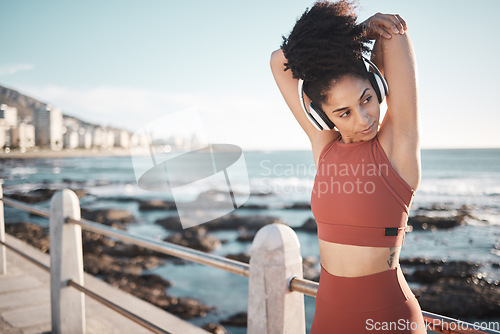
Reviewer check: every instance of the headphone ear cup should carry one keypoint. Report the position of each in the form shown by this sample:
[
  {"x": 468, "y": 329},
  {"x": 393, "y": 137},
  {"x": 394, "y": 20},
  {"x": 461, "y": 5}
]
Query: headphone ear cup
[
  {"x": 320, "y": 115},
  {"x": 377, "y": 81},
  {"x": 376, "y": 87}
]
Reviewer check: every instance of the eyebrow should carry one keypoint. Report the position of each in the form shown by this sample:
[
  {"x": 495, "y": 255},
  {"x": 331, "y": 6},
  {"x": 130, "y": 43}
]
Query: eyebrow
[{"x": 340, "y": 109}]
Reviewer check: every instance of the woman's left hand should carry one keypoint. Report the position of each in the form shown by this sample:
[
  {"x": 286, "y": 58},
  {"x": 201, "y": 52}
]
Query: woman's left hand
[{"x": 384, "y": 25}]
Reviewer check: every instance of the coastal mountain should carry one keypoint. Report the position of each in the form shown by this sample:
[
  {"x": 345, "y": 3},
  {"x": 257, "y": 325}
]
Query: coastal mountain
[{"x": 27, "y": 105}]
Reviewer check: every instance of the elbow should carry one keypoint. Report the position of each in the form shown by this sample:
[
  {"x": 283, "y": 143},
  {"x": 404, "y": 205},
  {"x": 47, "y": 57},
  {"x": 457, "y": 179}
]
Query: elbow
[{"x": 277, "y": 59}]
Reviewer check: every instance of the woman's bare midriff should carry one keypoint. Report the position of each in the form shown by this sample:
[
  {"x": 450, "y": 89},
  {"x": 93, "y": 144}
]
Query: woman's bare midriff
[{"x": 352, "y": 261}]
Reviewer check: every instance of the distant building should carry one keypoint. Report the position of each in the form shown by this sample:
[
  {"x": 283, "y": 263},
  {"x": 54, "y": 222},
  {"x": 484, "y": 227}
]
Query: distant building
[
  {"x": 109, "y": 138},
  {"x": 97, "y": 137},
  {"x": 23, "y": 136},
  {"x": 49, "y": 128},
  {"x": 103, "y": 137},
  {"x": 9, "y": 114},
  {"x": 8, "y": 124},
  {"x": 3, "y": 134},
  {"x": 70, "y": 138},
  {"x": 85, "y": 138},
  {"x": 122, "y": 138}
]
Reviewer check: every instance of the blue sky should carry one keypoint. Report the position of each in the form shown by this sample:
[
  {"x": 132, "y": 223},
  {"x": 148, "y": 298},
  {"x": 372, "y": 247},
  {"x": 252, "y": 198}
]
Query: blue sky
[{"x": 129, "y": 63}]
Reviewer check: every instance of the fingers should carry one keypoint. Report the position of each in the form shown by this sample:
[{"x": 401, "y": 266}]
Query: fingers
[
  {"x": 386, "y": 24},
  {"x": 381, "y": 31},
  {"x": 392, "y": 23},
  {"x": 376, "y": 26},
  {"x": 403, "y": 22}
]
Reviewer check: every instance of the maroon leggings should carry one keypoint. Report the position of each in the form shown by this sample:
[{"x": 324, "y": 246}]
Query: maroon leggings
[{"x": 377, "y": 303}]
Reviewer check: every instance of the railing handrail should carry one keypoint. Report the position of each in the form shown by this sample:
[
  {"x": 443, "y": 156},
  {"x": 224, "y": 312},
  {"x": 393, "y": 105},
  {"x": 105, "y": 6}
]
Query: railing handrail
[
  {"x": 117, "y": 308},
  {"x": 164, "y": 247},
  {"x": 297, "y": 284}
]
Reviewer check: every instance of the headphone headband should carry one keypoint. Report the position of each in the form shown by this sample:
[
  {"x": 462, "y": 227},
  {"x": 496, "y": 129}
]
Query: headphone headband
[{"x": 318, "y": 117}]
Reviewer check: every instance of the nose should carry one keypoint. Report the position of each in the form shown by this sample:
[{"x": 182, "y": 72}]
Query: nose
[{"x": 364, "y": 119}]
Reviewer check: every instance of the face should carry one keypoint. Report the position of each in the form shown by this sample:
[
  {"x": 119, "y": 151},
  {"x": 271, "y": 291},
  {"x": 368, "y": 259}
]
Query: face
[{"x": 353, "y": 107}]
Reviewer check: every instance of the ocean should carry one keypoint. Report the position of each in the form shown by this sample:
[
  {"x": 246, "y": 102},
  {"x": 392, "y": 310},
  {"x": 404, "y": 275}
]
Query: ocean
[{"x": 451, "y": 179}]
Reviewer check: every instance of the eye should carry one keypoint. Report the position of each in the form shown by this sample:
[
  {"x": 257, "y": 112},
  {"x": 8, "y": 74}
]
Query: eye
[
  {"x": 347, "y": 113},
  {"x": 367, "y": 99}
]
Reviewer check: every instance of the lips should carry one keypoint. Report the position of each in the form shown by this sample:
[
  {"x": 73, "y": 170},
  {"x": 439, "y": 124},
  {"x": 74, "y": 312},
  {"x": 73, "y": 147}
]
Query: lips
[{"x": 368, "y": 129}]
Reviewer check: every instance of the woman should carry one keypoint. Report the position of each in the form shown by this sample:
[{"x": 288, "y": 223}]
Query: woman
[{"x": 367, "y": 172}]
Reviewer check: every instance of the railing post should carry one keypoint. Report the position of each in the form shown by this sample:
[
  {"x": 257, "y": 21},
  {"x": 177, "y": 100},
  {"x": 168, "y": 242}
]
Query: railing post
[
  {"x": 3, "y": 250},
  {"x": 275, "y": 258},
  {"x": 66, "y": 262}
]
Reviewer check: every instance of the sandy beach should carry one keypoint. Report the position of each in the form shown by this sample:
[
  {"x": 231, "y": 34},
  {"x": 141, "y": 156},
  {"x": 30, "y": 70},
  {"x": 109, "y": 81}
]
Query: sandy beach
[{"x": 73, "y": 153}]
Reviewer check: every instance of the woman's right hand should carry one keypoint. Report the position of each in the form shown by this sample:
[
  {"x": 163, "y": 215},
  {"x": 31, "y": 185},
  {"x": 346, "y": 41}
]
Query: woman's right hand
[{"x": 384, "y": 25}]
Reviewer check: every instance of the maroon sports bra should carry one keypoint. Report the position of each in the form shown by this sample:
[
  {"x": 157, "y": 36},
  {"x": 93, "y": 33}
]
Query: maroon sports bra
[{"x": 358, "y": 198}]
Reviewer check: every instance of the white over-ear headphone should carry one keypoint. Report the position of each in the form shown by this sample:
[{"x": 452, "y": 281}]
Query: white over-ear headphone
[{"x": 318, "y": 117}]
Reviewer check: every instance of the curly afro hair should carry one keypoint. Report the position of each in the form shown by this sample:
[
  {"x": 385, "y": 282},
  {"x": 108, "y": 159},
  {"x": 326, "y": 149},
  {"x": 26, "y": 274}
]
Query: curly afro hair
[{"x": 324, "y": 46}]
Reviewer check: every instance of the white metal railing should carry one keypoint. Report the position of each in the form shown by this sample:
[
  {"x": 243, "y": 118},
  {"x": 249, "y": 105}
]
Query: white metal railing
[{"x": 276, "y": 284}]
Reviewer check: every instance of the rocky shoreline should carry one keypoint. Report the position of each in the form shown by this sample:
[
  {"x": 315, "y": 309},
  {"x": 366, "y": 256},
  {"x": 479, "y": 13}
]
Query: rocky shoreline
[{"x": 456, "y": 289}]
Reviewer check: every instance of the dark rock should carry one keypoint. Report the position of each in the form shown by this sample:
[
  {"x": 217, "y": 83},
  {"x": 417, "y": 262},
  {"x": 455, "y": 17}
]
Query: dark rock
[
  {"x": 152, "y": 288},
  {"x": 121, "y": 199},
  {"x": 33, "y": 234},
  {"x": 245, "y": 235},
  {"x": 232, "y": 222},
  {"x": 453, "y": 288},
  {"x": 261, "y": 194},
  {"x": 80, "y": 193},
  {"x": 228, "y": 222},
  {"x": 413, "y": 261},
  {"x": 147, "y": 262},
  {"x": 214, "y": 328},
  {"x": 95, "y": 243},
  {"x": 172, "y": 223},
  {"x": 242, "y": 257},
  {"x": 299, "y": 206},
  {"x": 103, "y": 265},
  {"x": 41, "y": 195},
  {"x": 432, "y": 270},
  {"x": 239, "y": 319},
  {"x": 75, "y": 182},
  {"x": 195, "y": 238},
  {"x": 420, "y": 222},
  {"x": 309, "y": 268},
  {"x": 35, "y": 196},
  {"x": 156, "y": 204},
  {"x": 254, "y": 206},
  {"x": 308, "y": 226},
  {"x": 112, "y": 217},
  {"x": 461, "y": 298},
  {"x": 188, "y": 308},
  {"x": 455, "y": 270}
]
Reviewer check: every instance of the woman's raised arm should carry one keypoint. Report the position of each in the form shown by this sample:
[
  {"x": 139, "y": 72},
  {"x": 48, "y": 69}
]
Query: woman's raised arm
[
  {"x": 289, "y": 89},
  {"x": 399, "y": 132}
]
